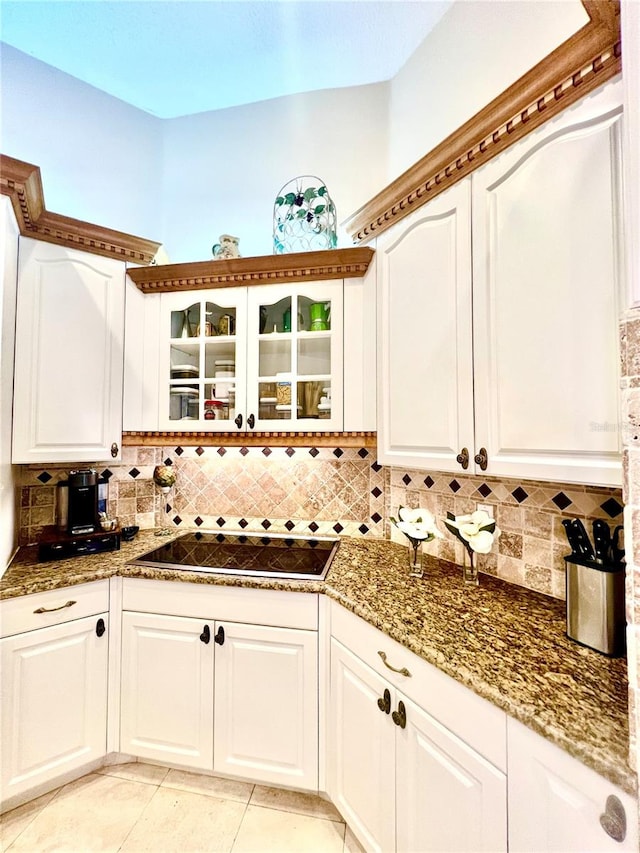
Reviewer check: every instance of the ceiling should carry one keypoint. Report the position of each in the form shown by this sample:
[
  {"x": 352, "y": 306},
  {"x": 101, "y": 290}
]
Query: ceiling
[{"x": 188, "y": 56}]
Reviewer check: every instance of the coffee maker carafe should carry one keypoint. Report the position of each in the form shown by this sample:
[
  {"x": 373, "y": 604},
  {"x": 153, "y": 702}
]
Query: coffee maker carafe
[{"x": 83, "y": 501}]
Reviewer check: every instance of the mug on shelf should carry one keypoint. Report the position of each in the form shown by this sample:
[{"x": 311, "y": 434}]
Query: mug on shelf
[{"x": 319, "y": 314}]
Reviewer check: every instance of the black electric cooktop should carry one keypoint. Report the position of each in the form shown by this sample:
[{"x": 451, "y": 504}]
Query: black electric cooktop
[{"x": 276, "y": 556}]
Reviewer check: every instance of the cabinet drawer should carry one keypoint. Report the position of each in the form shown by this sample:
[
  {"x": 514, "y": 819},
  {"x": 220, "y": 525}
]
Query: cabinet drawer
[
  {"x": 213, "y": 601},
  {"x": 479, "y": 723},
  {"x": 42, "y": 609}
]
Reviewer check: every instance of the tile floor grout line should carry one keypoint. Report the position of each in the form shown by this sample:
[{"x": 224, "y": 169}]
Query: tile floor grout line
[
  {"x": 136, "y": 821},
  {"x": 244, "y": 814}
]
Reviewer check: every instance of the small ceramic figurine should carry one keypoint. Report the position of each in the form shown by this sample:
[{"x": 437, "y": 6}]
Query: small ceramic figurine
[{"x": 226, "y": 248}]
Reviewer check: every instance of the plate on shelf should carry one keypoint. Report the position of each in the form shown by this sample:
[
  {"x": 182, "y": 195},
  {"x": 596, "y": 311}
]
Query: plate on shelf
[
  {"x": 324, "y": 407},
  {"x": 184, "y": 391},
  {"x": 269, "y": 400},
  {"x": 286, "y": 408}
]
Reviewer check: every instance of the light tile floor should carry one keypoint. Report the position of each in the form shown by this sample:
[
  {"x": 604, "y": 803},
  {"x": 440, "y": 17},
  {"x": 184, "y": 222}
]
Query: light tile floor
[{"x": 143, "y": 807}]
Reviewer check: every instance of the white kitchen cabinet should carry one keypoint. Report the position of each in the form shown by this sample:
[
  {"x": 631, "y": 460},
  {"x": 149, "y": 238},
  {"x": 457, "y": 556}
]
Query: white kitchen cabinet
[
  {"x": 547, "y": 234},
  {"x": 401, "y": 779},
  {"x": 166, "y": 711},
  {"x": 425, "y": 359},
  {"x": 239, "y": 698},
  {"x": 526, "y": 384},
  {"x": 252, "y": 358},
  {"x": 266, "y": 704},
  {"x": 54, "y": 686},
  {"x": 558, "y": 804},
  {"x": 68, "y": 355}
]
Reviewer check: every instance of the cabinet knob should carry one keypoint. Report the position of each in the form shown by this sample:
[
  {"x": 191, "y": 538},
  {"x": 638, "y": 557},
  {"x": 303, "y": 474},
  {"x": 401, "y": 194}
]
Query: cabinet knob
[
  {"x": 481, "y": 458},
  {"x": 384, "y": 703},
  {"x": 114, "y": 449},
  {"x": 219, "y": 638},
  {"x": 614, "y": 819},
  {"x": 238, "y": 421},
  {"x": 251, "y": 421},
  {"x": 205, "y": 637},
  {"x": 399, "y": 717},
  {"x": 463, "y": 458},
  {"x": 100, "y": 627}
]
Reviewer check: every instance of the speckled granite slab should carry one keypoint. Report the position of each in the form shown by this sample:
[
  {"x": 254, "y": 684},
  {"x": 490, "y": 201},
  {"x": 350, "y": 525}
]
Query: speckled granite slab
[{"x": 504, "y": 642}]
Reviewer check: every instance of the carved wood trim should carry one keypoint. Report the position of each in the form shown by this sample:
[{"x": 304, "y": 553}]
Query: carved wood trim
[
  {"x": 584, "y": 61},
  {"x": 23, "y": 184},
  {"x": 250, "y": 439},
  {"x": 264, "y": 269}
]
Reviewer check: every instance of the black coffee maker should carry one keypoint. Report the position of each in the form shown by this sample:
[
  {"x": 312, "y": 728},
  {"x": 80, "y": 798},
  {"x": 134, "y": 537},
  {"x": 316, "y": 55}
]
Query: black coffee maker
[{"x": 83, "y": 501}]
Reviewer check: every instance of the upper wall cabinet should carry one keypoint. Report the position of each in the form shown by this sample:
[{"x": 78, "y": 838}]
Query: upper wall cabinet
[
  {"x": 536, "y": 395},
  {"x": 69, "y": 355}
]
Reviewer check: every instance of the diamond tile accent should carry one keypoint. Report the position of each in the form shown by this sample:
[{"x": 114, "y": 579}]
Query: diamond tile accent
[
  {"x": 266, "y": 523},
  {"x": 179, "y": 451},
  {"x": 244, "y": 451},
  {"x": 289, "y": 451},
  {"x": 455, "y": 486},
  {"x": 220, "y": 521},
  {"x": 177, "y": 519},
  {"x": 134, "y": 473},
  {"x": 376, "y": 517},
  {"x": 313, "y": 527},
  {"x": 363, "y": 529},
  {"x": 376, "y": 467},
  {"x": 199, "y": 450},
  {"x": 338, "y": 453},
  {"x": 106, "y": 474},
  {"x": 167, "y": 461},
  {"x": 289, "y": 525},
  {"x": 314, "y": 452},
  {"x": 44, "y": 477},
  {"x": 363, "y": 453},
  {"x": 221, "y": 451},
  {"x": 266, "y": 451},
  {"x": 337, "y": 527},
  {"x": 376, "y": 492},
  {"x": 484, "y": 490},
  {"x": 611, "y": 507},
  {"x": 429, "y": 482},
  {"x": 561, "y": 500},
  {"x": 519, "y": 494},
  {"x": 243, "y": 523},
  {"x": 198, "y": 521},
  {"x": 406, "y": 479}
]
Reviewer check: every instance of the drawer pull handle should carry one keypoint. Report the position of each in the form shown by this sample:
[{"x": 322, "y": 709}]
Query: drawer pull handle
[
  {"x": 403, "y": 670},
  {"x": 53, "y": 609},
  {"x": 614, "y": 819}
]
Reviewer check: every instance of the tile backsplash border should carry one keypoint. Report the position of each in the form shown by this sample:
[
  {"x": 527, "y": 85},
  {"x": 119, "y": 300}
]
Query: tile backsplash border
[{"x": 334, "y": 490}]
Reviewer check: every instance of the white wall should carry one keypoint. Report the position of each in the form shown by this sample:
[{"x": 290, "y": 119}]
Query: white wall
[
  {"x": 223, "y": 169},
  {"x": 8, "y": 279},
  {"x": 100, "y": 158},
  {"x": 472, "y": 55}
]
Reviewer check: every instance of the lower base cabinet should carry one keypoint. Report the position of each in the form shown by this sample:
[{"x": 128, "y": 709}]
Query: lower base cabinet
[
  {"x": 558, "y": 804},
  {"x": 54, "y": 702},
  {"x": 238, "y": 699},
  {"x": 401, "y": 779}
]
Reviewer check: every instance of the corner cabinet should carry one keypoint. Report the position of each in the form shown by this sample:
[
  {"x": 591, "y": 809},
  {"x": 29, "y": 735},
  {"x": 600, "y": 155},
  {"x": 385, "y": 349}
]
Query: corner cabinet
[
  {"x": 252, "y": 358},
  {"x": 68, "y": 356},
  {"x": 499, "y": 304}
]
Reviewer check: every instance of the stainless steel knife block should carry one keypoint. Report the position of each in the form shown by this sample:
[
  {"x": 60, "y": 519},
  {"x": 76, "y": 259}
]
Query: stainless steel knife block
[{"x": 595, "y": 605}]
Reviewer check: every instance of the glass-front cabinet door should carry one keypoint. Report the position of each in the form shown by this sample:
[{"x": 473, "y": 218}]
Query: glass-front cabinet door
[
  {"x": 203, "y": 359},
  {"x": 294, "y": 357}
]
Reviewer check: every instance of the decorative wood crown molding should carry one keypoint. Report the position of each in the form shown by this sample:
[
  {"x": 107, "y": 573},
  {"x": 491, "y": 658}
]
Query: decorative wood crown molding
[
  {"x": 22, "y": 183},
  {"x": 264, "y": 269},
  {"x": 249, "y": 439},
  {"x": 584, "y": 61}
]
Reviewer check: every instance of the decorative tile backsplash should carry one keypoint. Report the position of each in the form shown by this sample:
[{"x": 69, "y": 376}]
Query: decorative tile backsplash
[{"x": 328, "y": 490}]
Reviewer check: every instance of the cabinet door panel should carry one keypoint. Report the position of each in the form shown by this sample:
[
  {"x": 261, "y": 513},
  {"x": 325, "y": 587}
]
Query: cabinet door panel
[
  {"x": 448, "y": 797},
  {"x": 555, "y": 803},
  {"x": 69, "y": 355},
  {"x": 361, "y": 751},
  {"x": 54, "y": 702},
  {"x": 546, "y": 301},
  {"x": 424, "y": 331},
  {"x": 167, "y": 689},
  {"x": 266, "y": 717}
]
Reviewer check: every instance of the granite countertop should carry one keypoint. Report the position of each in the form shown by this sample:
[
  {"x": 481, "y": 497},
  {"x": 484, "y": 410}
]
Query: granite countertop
[{"x": 505, "y": 643}]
